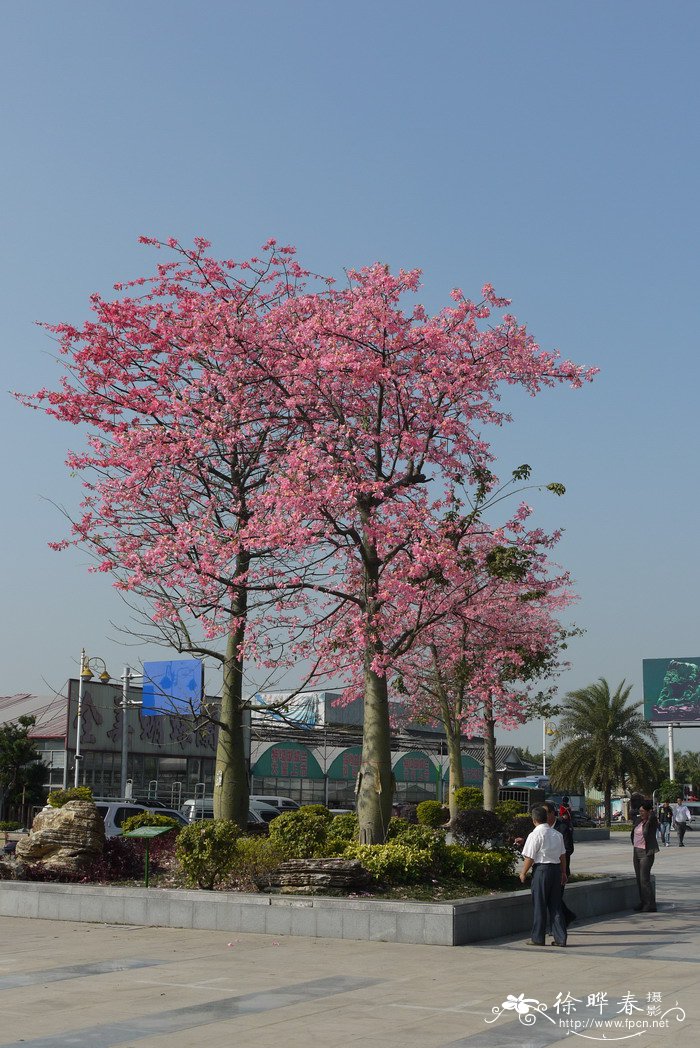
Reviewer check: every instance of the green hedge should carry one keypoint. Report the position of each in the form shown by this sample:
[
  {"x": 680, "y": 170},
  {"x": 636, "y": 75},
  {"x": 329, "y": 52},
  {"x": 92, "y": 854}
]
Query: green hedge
[
  {"x": 486, "y": 868},
  {"x": 206, "y": 851},
  {"x": 57, "y": 798},
  {"x": 149, "y": 818}
]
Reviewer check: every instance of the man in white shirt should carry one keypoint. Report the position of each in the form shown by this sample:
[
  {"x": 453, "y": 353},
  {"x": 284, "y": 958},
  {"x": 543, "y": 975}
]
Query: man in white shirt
[
  {"x": 682, "y": 817},
  {"x": 545, "y": 854}
]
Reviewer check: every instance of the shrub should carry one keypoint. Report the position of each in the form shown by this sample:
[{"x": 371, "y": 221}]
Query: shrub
[
  {"x": 432, "y": 813},
  {"x": 343, "y": 830},
  {"x": 121, "y": 860},
  {"x": 149, "y": 818},
  {"x": 424, "y": 839},
  {"x": 392, "y": 863},
  {"x": 206, "y": 851},
  {"x": 475, "y": 828},
  {"x": 8, "y": 826},
  {"x": 302, "y": 834},
  {"x": 317, "y": 809},
  {"x": 509, "y": 810},
  {"x": 487, "y": 868},
  {"x": 57, "y": 798},
  {"x": 255, "y": 859},
  {"x": 408, "y": 812},
  {"x": 519, "y": 827},
  {"x": 468, "y": 797}
]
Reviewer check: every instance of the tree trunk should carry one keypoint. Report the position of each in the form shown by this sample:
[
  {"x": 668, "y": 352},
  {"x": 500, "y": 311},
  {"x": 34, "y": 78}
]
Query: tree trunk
[
  {"x": 376, "y": 782},
  {"x": 454, "y": 752},
  {"x": 230, "y": 773},
  {"x": 608, "y": 804},
  {"x": 490, "y": 779}
]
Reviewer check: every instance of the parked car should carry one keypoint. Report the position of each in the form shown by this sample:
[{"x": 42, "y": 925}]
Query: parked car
[
  {"x": 579, "y": 818},
  {"x": 282, "y": 803},
  {"x": 529, "y": 782},
  {"x": 203, "y": 808},
  {"x": 115, "y": 814}
]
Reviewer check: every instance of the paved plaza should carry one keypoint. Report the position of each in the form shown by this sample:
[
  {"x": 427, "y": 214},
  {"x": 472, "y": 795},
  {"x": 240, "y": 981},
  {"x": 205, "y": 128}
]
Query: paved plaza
[{"x": 628, "y": 978}]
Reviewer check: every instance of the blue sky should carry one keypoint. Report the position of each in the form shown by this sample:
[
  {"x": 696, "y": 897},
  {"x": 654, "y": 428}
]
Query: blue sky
[{"x": 549, "y": 148}]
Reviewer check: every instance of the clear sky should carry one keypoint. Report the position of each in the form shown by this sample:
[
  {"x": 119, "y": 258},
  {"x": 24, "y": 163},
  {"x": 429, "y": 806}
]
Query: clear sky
[{"x": 550, "y": 148}]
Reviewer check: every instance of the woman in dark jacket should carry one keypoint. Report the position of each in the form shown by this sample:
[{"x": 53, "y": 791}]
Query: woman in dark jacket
[{"x": 645, "y": 845}]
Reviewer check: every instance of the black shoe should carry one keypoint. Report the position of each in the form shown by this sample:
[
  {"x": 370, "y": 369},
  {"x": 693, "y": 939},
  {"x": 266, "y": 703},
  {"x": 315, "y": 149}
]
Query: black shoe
[
  {"x": 649, "y": 909},
  {"x": 638, "y": 908},
  {"x": 560, "y": 944}
]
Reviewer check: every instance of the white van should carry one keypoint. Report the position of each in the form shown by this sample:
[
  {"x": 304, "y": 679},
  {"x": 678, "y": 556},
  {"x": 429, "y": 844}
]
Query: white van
[
  {"x": 282, "y": 803},
  {"x": 203, "y": 808},
  {"x": 115, "y": 814}
]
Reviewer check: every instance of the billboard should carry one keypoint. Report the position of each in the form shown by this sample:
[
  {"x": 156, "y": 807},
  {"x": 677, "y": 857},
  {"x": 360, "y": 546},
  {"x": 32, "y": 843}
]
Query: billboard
[
  {"x": 175, "y": 687},
  {"x": 672, "y": 691}
]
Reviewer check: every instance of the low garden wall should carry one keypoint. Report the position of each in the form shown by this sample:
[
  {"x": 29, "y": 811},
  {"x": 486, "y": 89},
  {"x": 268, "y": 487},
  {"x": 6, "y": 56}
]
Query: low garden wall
[{"x": 452, "y": 923}]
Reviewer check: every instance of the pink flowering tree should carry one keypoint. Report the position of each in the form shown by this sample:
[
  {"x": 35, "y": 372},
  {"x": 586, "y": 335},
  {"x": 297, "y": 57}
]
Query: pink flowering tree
[
  {"x": 380, "y": 498},
  {"x": 169, "y": 380},
  {"x": 271, "y": 458},
  {"x": 480, "y": 666}
]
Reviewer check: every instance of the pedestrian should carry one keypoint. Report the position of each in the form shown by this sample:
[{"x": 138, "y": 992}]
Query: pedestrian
[
  {"x": 567, "y": 832},
  {"x": 565, "y": 811},
  {"x": 645, "y": 844},
  {"x": 665, "y": 817},
  {"x": 682, "y": 817},
  {"x": 544, "y": 853}
]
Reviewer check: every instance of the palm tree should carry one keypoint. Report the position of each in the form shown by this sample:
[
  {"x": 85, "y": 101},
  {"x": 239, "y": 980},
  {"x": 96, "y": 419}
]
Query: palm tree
[{"x": 607, "y": 742}]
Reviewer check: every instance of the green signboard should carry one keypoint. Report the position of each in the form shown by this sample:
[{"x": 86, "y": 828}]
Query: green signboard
[
  {"x": 346, "y": 765},
  {"x": 287, "y": 762},
  {"x": 672, "y": 691},
  {"x": 472, "y": 771},
  {"x": 415, "y": 766}
]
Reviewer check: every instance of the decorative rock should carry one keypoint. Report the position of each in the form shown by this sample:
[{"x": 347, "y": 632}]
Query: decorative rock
[
  {"x": 320, "y": 873},
  {"x": 64, "y": 839}
]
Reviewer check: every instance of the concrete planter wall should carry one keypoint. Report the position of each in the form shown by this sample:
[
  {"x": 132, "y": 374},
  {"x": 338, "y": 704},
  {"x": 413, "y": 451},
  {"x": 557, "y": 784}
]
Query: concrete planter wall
[{"x": 437, "y": 924}]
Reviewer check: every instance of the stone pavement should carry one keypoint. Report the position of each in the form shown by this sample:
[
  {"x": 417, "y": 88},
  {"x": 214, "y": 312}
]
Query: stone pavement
[{"x": 619, "y": 980}]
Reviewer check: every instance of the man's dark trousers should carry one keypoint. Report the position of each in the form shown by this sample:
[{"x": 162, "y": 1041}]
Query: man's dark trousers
[{"x": 547, "y": 899}]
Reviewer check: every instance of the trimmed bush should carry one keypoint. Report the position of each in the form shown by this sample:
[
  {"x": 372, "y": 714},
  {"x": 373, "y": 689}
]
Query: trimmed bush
[
  {"x": 509, "y": 810},
  {"x": 477, "y": 827},
  {"x": 468, "y": 797},
  {"x": 486, "y": 868},
  {"x": 421, "y": 838},
  {"x": 343, "y": 830},
  {"x": 432, "y": 813},
  {"x": 57, "y": 798},
  {"x": 8, "y": 826},
  {"x": 255, "y": 859},
  {"x": 206, "y": 851},
  {"x": 392, "y": 863},
  {"x": 519, "y": 827},
  {"x": 149, "y": 818},
  {"x": 302, "y": 834}
]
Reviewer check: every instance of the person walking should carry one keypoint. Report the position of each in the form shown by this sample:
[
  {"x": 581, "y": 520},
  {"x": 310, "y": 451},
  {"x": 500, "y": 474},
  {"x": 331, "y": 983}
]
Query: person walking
[
  {"x": 567, "y": 831},
  {"x": 665, "y": 817},
  {"x": 681, "y": 817},
  {"x": 545, "y": 854},
  {"x": 645, "y": 845}
]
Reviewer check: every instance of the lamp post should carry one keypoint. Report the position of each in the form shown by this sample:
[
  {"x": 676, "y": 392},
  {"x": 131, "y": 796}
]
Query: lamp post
[
  {"x": 86, "y": 674},
  {"x": 126, "y": 704}
]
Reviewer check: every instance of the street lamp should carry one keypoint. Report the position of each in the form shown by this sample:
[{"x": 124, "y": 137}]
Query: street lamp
[
  {"x": 126, "y": 704},
  {"x": 86, "y": 674}
]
